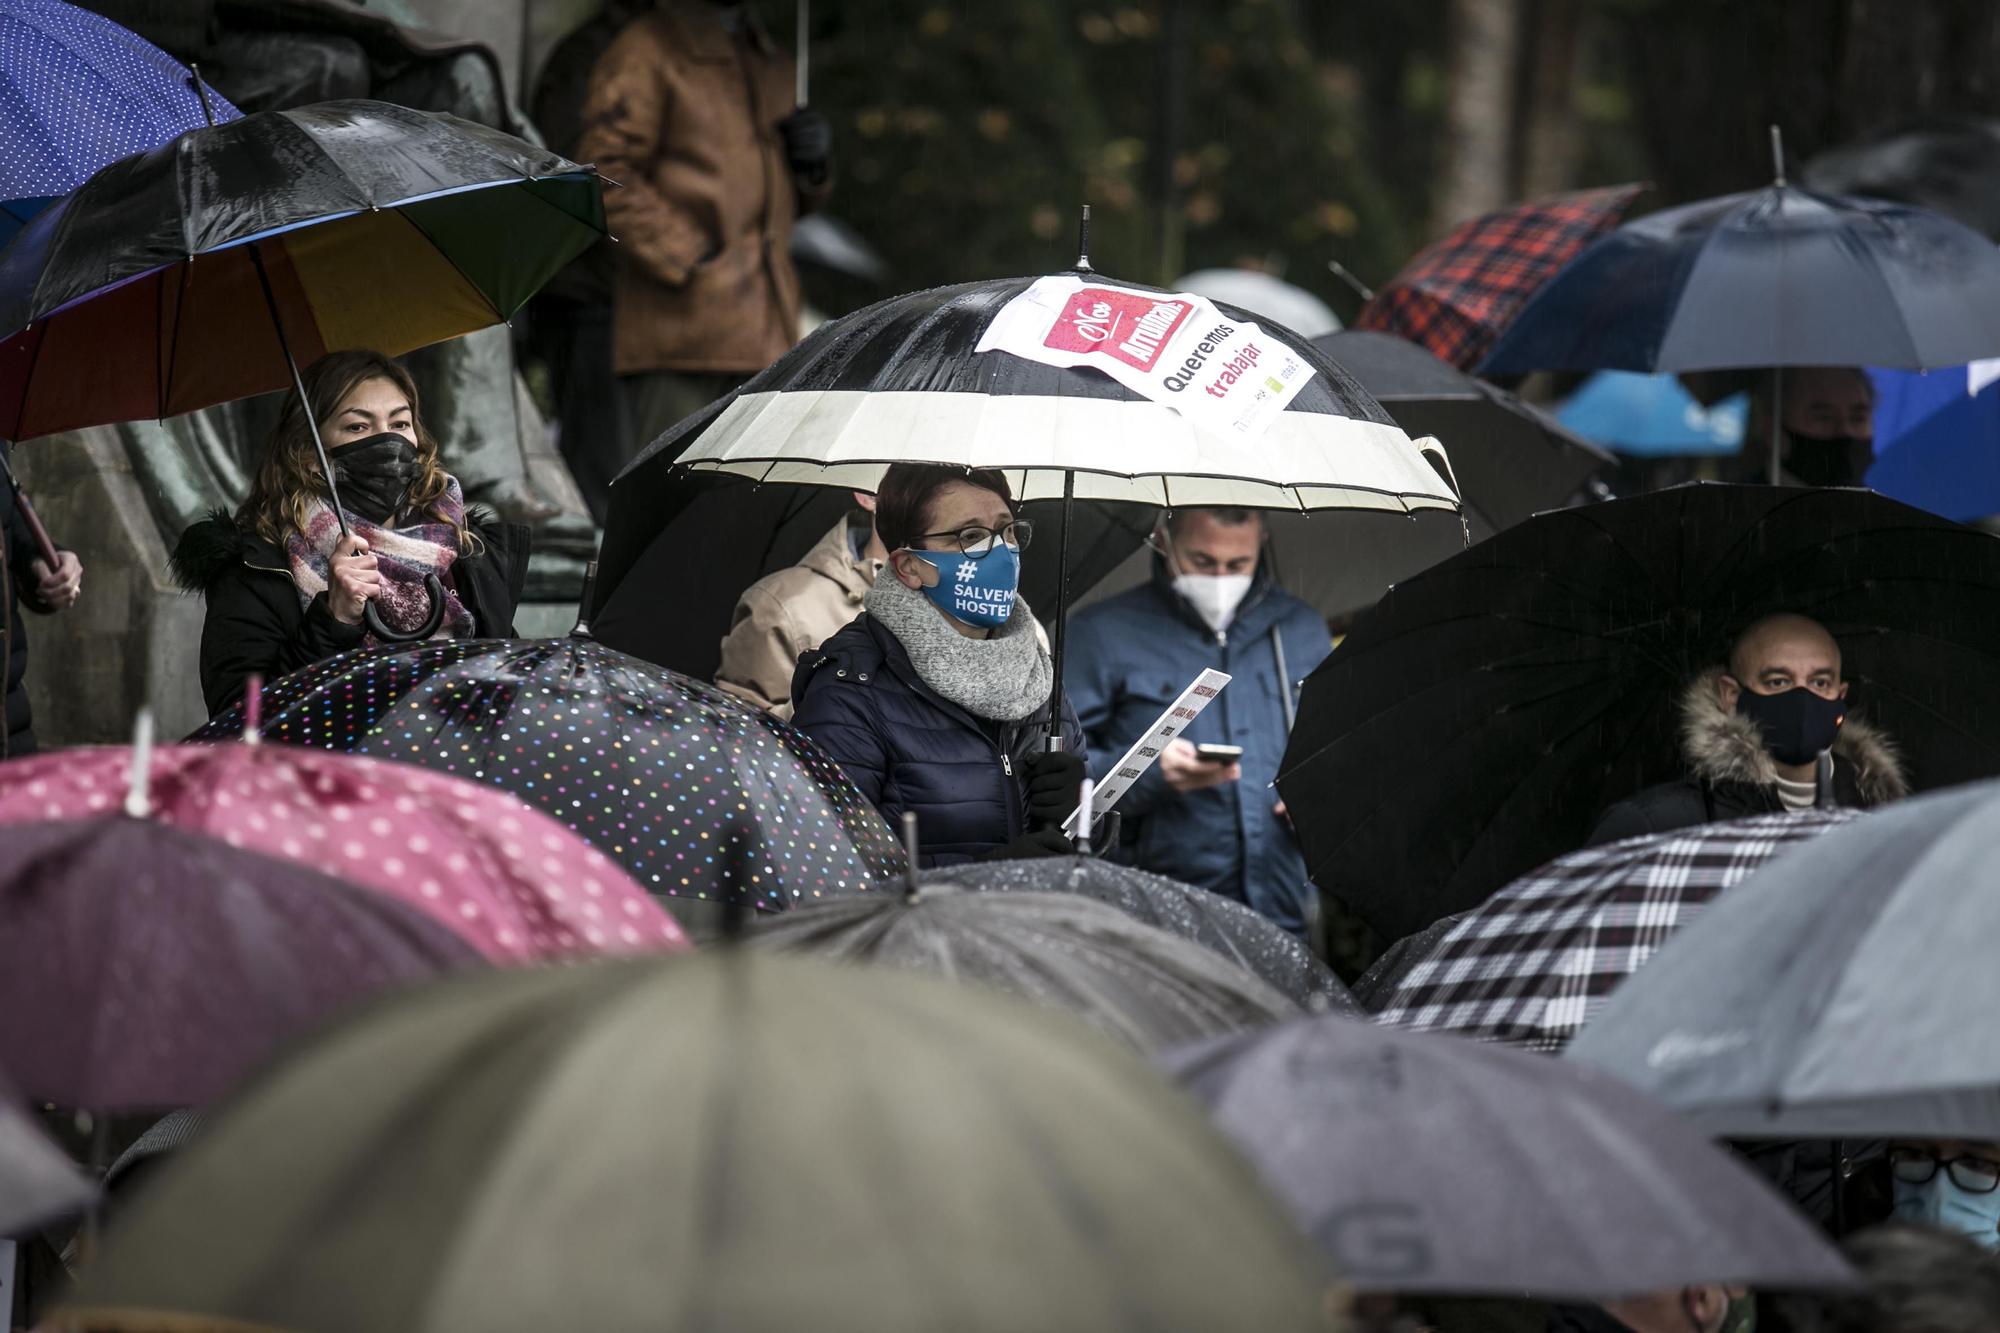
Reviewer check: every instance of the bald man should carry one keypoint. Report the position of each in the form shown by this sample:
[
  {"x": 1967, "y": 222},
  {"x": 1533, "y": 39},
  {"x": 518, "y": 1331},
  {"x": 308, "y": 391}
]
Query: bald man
[{"x": 1766, "y": 731}]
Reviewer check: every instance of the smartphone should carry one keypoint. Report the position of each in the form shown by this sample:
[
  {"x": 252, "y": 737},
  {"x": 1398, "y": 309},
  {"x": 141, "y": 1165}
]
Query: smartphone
[{"x": 1218, "y": 754}]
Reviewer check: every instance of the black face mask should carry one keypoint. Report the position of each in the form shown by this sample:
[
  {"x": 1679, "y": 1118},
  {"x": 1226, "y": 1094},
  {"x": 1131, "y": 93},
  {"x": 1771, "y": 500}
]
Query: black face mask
[
  {"x": 1796, "y": 723},
  {"x": 375, "y": 474},
  {"x": 1840, "y": 460}
]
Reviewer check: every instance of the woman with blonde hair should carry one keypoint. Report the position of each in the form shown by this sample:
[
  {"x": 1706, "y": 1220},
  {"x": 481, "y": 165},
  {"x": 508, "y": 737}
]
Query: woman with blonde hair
[{"x": 286, "y": 589}]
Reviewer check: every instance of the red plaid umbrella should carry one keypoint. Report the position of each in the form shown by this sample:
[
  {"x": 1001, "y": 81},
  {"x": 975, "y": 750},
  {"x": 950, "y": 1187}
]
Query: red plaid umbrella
[{"x": 1458, "y": 294}]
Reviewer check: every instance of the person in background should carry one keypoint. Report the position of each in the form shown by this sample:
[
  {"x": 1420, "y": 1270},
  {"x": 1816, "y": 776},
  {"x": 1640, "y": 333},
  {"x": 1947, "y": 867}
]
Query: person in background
[
  {"x": 25, "y": 581},
  {"x": 285, "y": 589},
  {"x": 1917, "y": 1279},
  {"x": 1767, "y": 731},
  {"x": 1827, "y": 428},
  {"x": 1215, "y": 823},
  {"x": 936, "y": 698},
  {"x": 691, "y": 111},
  {"x": 784, "y": 614},
  {"x": 1950, "y": 1185}
]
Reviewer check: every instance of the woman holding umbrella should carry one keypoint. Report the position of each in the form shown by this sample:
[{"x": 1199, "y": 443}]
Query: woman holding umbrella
[
  {"x": 285, "y": 588},
  {"x": 936, "y": 699}
]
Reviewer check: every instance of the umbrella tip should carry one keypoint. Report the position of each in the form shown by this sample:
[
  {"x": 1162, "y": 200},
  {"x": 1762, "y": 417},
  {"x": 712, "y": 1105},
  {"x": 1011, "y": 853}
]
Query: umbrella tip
[
  {"x": 253, "y": 709},
  {"x": 1777, "y": 156},
  {"x": 911, "y": 890},
  {"x": 1083, "y": 242},
  {"x": 1354, "y": 284},
  {"x": 201, "y": 92},
  {"x": 138, "y": 799},
  {"x": 581, "y": 630}
]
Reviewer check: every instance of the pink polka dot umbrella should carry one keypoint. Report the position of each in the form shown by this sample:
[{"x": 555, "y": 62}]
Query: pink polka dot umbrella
[{"x": 513, "y": 882}]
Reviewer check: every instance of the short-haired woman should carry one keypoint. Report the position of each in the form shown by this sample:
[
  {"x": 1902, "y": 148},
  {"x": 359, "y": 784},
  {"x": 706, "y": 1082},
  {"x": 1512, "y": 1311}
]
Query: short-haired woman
[
  {"x": 936, "y": 698},
  {"x": 285, "y": 590}
]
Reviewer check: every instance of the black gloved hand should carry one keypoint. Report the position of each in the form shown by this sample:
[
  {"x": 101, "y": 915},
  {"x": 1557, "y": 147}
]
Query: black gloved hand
[
  {"x": 808, "y": 143},
  {"x": 1029, "y": 846},
  {"x": 1054, "y": 781}
]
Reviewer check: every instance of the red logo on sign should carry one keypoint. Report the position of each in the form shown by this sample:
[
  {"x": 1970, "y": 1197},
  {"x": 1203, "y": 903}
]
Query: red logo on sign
[{"x": 1132, "y": 327}]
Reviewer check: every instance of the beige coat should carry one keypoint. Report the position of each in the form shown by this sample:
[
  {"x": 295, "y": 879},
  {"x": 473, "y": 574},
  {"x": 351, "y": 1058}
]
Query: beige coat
[
  {"x": 784, "y": 614},
  {"x": 684, "y": 116}
]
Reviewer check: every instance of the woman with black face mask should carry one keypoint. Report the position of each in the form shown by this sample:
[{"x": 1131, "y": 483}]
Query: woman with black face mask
[{"x": 285, "y": 589}]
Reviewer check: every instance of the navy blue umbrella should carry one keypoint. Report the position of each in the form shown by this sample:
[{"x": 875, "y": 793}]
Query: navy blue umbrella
[{"x": 78, "y": 92}]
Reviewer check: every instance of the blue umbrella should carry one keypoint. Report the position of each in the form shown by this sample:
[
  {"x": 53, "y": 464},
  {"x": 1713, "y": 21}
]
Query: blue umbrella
[
  {"x": 78, "y": 92},
  {"x": 1937, "y": 439},
  {"x": 1652, "y": 416}
]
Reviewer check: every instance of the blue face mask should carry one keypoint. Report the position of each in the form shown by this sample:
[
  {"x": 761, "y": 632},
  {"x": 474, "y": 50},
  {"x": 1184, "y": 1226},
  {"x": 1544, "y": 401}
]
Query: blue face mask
[
  {"x": 976, "y": 590},
  {"x": 1940, "y": 1203}
]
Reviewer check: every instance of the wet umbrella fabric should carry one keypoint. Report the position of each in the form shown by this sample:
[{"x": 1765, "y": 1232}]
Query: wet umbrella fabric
[
  {"x": 1481, "y": 716},
  {"x": 1949, "y": 165},
  {"x": 1424, "y": 1163},
  {"x": 142, "y": 966},
  {"x": 1244, "y": 937},
  {"x": 1775, "y": 277},
  {"x": 1457, "y": 295},
  {"x": 78, "y": 91},
  {"x": 510, "y": 880},
  {"x": 1531, "y": 965},
  {"x": 38, "y": 1185},
  {"x": 1845, "y": 991},
  {"x": 1140, "y": 986},
  {"x": 689, "y": 790},
  {"x": 721, "y": 1141},
  {"x": 378, "y": 226}
]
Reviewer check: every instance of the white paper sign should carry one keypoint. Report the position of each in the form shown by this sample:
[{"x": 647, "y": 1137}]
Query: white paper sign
[
  {"x": 1173, "y": 347},
  {"x": 1145, "y": 752}
]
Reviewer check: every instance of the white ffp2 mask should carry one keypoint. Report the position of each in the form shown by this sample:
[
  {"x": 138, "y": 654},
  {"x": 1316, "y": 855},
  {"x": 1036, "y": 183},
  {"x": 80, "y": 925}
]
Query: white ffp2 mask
[{"x": 1214, "y": 597}]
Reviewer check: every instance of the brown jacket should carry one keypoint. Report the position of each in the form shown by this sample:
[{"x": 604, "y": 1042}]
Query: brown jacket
[
  {"x": 782, "y": 615},
  {"x": 684, "y": 116}
]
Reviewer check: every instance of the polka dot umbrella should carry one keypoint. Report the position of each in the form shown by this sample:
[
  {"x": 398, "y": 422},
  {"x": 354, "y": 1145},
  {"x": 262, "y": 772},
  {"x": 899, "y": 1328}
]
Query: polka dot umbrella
[
  {"x": 692, "y": 792},
  {"x": 510, "y": 881}
]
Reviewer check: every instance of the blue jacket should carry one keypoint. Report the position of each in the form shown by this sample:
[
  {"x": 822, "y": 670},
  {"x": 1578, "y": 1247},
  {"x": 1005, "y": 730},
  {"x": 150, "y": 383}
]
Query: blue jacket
[
  {"x": 908, "y": 748},
  {"x": 1129, "y": 658}
]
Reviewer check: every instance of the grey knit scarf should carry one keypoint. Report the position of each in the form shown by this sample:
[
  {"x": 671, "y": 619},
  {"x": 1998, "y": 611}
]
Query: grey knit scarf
[{"x": 1004, "y": 677}]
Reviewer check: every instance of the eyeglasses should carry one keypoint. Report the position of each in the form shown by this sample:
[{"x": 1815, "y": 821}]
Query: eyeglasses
[
  {"x": 976, "y": 540},
  {"x": 1974, "y": 1175}
]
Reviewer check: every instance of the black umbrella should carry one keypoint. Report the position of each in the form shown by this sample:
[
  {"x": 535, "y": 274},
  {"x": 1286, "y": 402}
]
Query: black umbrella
[
  {"x": 1424, "y": 1163},
  {"x": 1483, "y": 714},
  {"x": 38, "y": 1185},
  {"x": 1142, "y": 986},
  {"x": 1248, "y": 939},
  {"x": 1846, "y": 990},
  {"x": 692, "y": 791},
  {"x": 1950, "y": 165}
]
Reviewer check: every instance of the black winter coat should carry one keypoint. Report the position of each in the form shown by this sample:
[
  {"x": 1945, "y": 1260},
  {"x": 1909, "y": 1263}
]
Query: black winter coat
[
  {"x": 17, "y": 591},
  {"x": 909, "y": 748},
  {"x": 255, "y": 625}
]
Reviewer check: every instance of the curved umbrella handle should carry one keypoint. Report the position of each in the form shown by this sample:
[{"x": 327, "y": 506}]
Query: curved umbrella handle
[{"x": 434, "y": 589}]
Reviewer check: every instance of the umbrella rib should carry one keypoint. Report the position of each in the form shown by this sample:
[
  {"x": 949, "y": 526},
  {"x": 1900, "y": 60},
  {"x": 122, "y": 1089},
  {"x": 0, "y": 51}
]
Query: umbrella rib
[{"x": 499, "y": 317}]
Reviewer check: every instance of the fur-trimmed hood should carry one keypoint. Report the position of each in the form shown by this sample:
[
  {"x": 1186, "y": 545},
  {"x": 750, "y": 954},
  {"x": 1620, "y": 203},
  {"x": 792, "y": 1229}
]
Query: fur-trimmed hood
[{"x": 1721, "y": 747}]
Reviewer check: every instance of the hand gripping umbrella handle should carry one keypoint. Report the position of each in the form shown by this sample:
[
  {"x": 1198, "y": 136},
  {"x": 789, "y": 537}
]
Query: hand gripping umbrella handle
[{"x": 434, "y": 589}]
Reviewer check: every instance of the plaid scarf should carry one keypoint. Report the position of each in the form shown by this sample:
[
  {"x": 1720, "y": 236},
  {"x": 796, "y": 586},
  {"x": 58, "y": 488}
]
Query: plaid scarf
[{"x": 403, "y": 555}]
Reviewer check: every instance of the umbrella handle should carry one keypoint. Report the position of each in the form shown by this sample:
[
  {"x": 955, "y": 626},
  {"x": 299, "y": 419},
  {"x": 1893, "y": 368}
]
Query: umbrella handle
[{"x": 434, "y": 589}]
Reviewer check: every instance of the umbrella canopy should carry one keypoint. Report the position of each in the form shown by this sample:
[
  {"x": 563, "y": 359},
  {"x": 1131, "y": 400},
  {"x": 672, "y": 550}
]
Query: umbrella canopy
[
  {"x": 1949, "y": 165},
  {"x": 1937, "y": 439},
  {"x": 1457, "y": 295},
  {"x": 1266, "y": 297},
  {"x": 1775, "y": 277},
  {"x": 1148, "y": 989},
  {"x": 142, "y": 294},
  {"x": 1477, "y": 721},
  {"x": 723, "y": 1141},
  {"x": 1532, "y": 964},
  {"x": 512, "y": 881},
  {"x": 143, "y": 966},
  {"x": 38, "y": 1185},
  {"x": 77, "y": 92},
  {"x": 1247, "y": 938},
  {"x": 1422, "y": 1163},
  {"x": 1653, "y": 416},
  {"x": 692, "y": 792},
  {"x": 1845, "y": 991}
]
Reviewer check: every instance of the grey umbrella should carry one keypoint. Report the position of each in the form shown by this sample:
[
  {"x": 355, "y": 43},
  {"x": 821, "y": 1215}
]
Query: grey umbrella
[
  {"x": 1427, "y": 1163},
  {"x": 38, "y": 1184},
  {"x": 1143, "y": 986},
  {"x": 1845, "y": 990},
  {"x": 1227, "y": 927}
]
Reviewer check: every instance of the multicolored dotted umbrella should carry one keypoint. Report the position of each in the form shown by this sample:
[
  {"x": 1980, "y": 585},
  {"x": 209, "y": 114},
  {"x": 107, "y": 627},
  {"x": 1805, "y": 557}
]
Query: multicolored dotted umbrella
[
  {"x": 691, "y": 791},
  {"x": 511, "y": 882}
]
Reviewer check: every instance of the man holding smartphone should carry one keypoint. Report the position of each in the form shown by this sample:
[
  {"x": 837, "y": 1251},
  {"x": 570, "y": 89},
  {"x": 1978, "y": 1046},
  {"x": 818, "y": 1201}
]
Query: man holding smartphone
[{"x": 1206, "y": 813}]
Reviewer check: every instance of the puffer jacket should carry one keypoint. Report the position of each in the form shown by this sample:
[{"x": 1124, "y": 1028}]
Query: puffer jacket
[
  {"x": 1130, "y": 656},
  {"x": 1730, "y": 775},
  {"x": 909, "y": 748},
  {"x": 684, "y": 116}
]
